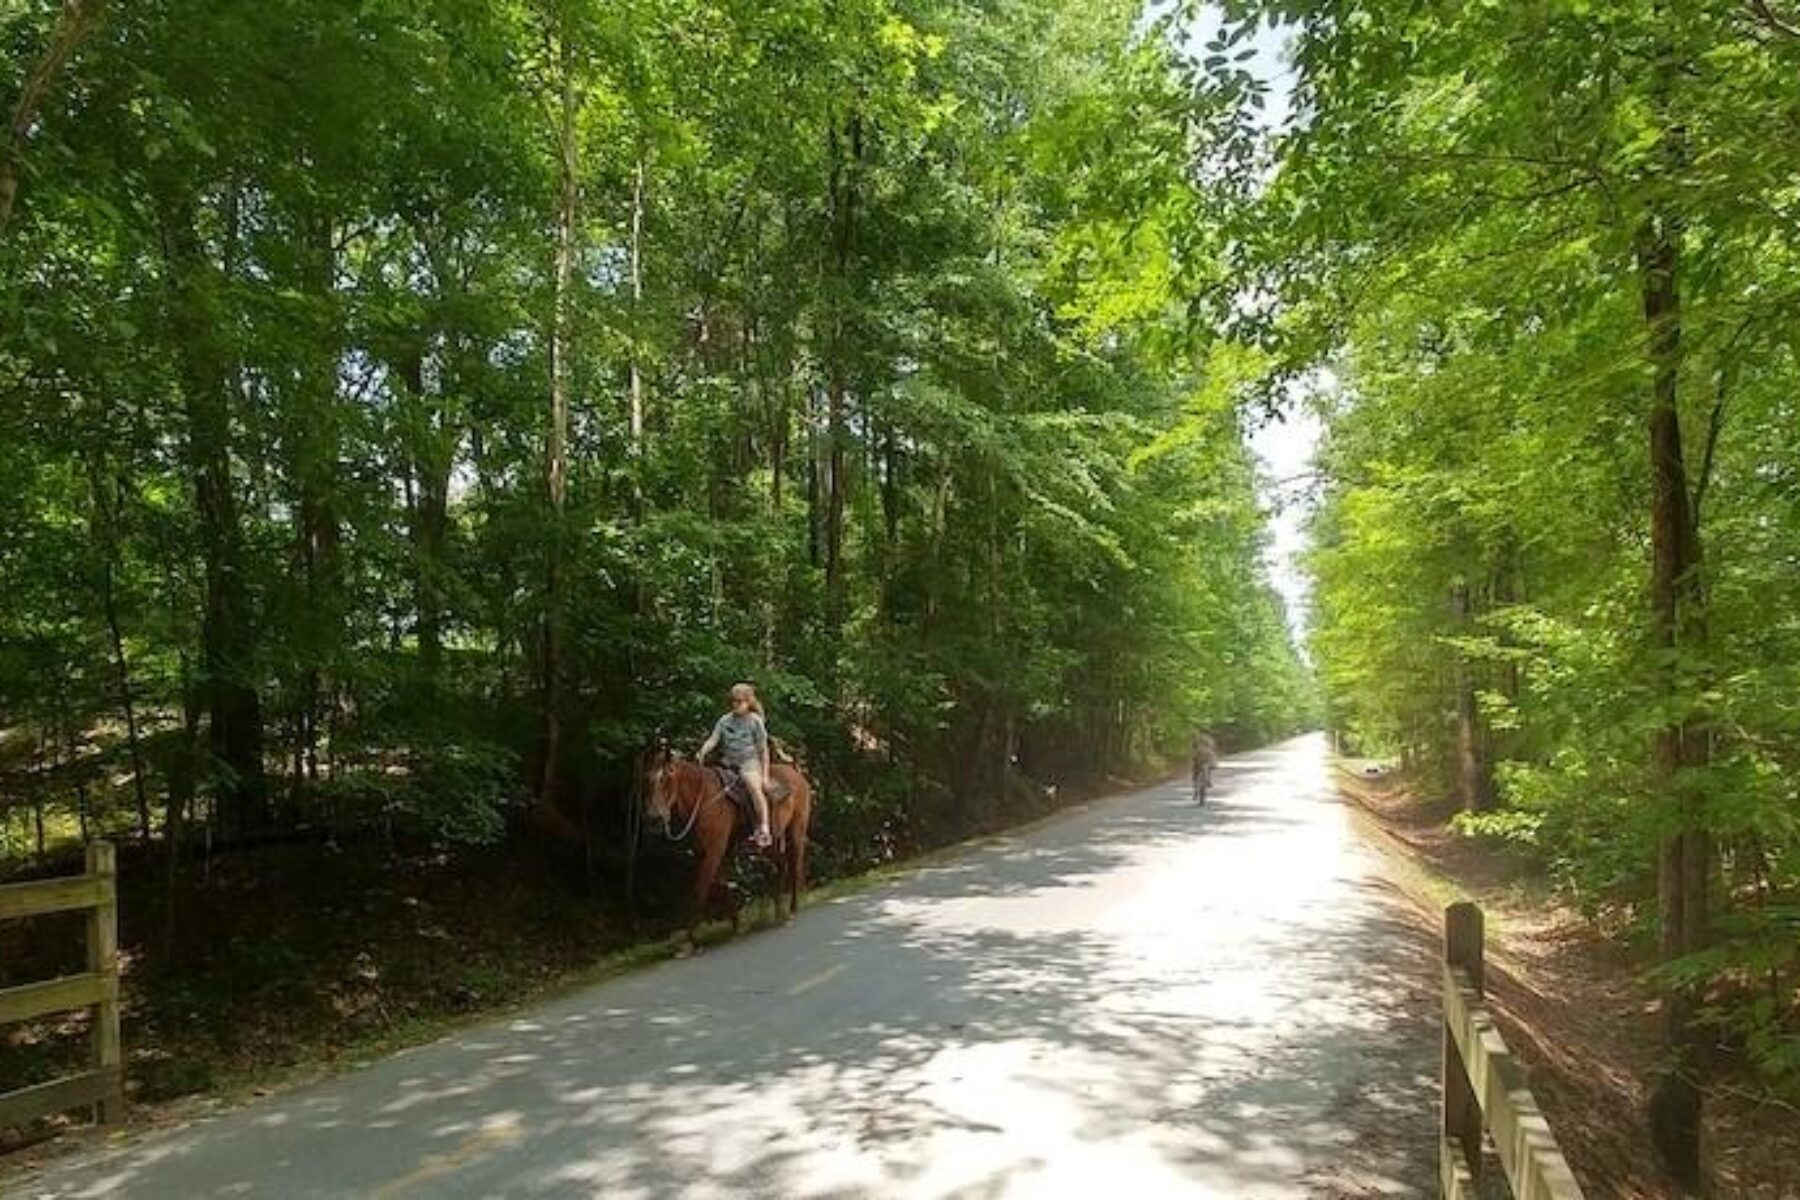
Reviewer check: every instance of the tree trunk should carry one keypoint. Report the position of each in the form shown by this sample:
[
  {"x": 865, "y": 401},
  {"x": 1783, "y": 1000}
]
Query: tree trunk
[
  {"x": 315, "y": 450},
  {"x": 939, "y": 536},
  {"x": 228, "y": 631},
  {"x": 180, "y": 771},
  {"x": 1508, "y": 590},
  {"x": 37, "y": 789},
  {"x": 72, "y": 747},
  {"x": 104, "y": 525},
  {"x": 430, "y": 537},
  {"x": 890, "y": 489},
  {"x": 815, "y": 481},
  {"x": 556, "y": 451},
  {"x": 779, "y": 423},
  {"x": 636, "y": 415},
  {"x": 1684, "y": 874},
  {"x": 428, "y": 511},
  {"x": 1473, "y": 771},
  {"x": 843, "y": 197}
]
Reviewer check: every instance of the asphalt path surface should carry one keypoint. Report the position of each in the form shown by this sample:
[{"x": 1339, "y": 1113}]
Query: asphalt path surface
[{"x": 1138, "y": 998}]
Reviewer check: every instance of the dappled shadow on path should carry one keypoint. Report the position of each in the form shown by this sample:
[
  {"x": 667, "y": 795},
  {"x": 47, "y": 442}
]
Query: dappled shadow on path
[{"x": 1144, "y": 995}]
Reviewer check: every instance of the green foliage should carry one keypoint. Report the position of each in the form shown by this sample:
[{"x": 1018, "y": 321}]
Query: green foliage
[
  {"x": 1454, "y": 227},
  {"x": 882, "y": 390}
]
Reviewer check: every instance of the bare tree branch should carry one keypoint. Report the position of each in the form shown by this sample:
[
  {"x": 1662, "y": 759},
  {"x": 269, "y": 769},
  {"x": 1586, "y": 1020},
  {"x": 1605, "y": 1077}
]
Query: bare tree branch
[
  {"x": 1766, "y": 15},
  {"x": 1726, "y": 372}
]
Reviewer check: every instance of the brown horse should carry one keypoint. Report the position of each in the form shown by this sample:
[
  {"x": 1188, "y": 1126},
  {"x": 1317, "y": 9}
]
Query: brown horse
[{"x": 685, "y": 799}]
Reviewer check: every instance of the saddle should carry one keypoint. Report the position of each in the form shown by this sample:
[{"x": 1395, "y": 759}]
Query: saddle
[{"x": 732, "y": 785}]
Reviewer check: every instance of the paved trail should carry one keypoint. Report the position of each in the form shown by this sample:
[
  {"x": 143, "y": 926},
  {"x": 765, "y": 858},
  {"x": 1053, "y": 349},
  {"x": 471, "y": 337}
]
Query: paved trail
[{"x": 1137, "y": 1000}]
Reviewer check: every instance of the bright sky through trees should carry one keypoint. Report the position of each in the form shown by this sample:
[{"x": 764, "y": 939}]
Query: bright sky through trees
[{"x": 1284, "y": 448}]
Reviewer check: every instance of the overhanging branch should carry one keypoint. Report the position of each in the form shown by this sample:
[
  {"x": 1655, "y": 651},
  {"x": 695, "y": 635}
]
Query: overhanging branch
[
  {"x": 1765, "y": 13},
  {"x": 72, "y": 27}
]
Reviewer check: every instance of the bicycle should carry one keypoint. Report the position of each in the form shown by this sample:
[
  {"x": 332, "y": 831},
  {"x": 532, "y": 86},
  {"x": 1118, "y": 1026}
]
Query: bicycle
[{"x": 1202, "y": 781}]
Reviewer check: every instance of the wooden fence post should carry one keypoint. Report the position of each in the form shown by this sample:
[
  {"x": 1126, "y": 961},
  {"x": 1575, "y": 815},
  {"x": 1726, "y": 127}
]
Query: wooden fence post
[
  {"x": 103, "y": 959},
  {"x": 1462, "y": 1112}
]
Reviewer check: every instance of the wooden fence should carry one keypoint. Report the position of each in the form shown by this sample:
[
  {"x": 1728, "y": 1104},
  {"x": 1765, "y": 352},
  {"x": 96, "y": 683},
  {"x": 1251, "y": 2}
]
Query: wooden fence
[
  {"x": 1484, "y": 1086},
  {"x": 103, "y": 1085}
]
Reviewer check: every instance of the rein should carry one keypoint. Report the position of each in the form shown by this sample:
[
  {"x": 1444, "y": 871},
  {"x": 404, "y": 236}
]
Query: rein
[{"x": 693, "y": 816}]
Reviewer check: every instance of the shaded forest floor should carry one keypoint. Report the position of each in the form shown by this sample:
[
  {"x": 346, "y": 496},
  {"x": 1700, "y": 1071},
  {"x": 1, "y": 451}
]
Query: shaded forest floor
[
  {"x": 293, "y": 962},
  {"x": 1572, "y": 1002}
]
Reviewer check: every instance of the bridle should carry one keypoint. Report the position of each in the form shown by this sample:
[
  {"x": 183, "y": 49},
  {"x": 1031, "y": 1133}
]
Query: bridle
[{"x": 694, "y": 814}]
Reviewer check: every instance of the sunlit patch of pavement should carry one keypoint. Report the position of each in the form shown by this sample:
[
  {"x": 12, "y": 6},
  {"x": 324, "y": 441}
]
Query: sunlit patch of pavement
[{"x": 1142, "y": 998}]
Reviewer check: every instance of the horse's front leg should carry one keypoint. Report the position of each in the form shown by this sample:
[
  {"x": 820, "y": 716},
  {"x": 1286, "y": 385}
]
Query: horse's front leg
[{"x": 704, "y": 880}]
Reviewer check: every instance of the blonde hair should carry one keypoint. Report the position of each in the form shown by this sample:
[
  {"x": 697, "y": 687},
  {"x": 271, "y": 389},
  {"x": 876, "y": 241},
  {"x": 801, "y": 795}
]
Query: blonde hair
[{"x": 747, "y": 691}]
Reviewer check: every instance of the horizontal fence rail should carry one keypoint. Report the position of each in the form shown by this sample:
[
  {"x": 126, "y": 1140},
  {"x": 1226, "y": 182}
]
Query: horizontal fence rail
[
  {"x": 1484, "y": 1086},
  {"x": 102, "y": 1087}
]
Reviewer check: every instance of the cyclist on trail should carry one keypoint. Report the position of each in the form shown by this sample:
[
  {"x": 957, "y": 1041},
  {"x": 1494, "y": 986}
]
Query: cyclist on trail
[{"x": 1206, "y": 757}]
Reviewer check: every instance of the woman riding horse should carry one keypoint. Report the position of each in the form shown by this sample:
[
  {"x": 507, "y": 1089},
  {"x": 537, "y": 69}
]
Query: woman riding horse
[{"x": 689, "y": 800}]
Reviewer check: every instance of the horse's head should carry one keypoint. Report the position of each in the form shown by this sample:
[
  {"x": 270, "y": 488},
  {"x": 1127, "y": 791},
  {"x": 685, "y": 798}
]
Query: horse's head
[{"x": 659, "y": 789}]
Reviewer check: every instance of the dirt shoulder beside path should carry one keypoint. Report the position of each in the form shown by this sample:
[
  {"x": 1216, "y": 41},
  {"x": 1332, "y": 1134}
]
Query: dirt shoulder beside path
[{"x": 1575, "y": 1008}]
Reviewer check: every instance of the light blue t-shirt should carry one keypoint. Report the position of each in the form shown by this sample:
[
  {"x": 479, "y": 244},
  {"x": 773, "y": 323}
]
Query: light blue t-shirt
[{"x": 742, "y": 739}]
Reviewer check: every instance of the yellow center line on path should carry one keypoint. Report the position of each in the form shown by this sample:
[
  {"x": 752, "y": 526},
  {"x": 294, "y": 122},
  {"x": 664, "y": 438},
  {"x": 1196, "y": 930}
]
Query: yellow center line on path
[
  {"x": 807, "y": 985},
  {"x": 473, "y": 1147}
]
